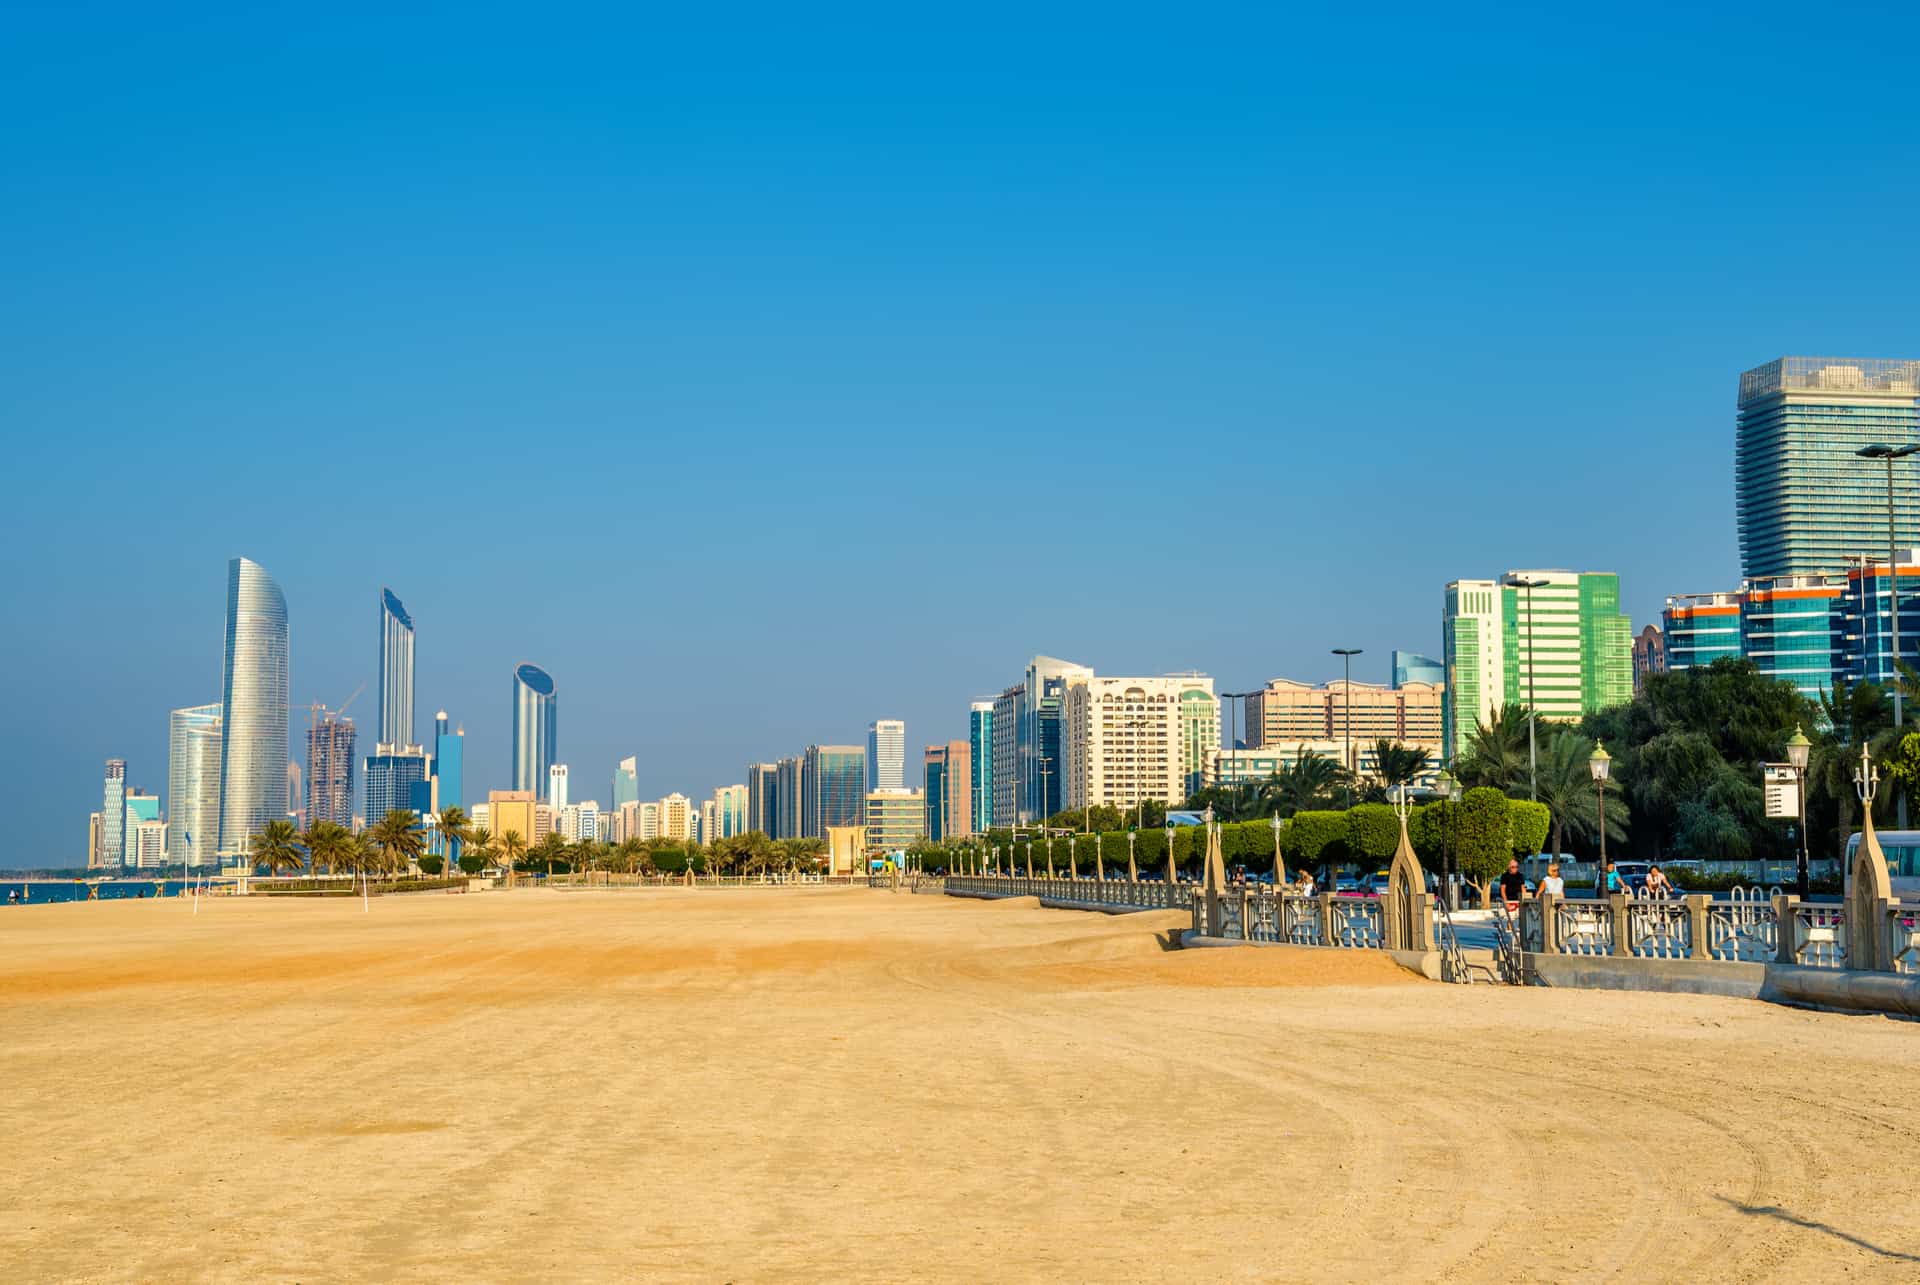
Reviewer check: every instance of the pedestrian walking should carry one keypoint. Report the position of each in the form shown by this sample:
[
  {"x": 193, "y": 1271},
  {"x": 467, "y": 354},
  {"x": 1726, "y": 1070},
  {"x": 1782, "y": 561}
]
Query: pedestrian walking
[{"x": 1513, "y": 887}]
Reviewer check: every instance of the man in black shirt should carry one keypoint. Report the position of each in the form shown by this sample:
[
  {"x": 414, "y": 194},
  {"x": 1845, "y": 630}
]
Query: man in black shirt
[{"x": 1513, "y": 886}]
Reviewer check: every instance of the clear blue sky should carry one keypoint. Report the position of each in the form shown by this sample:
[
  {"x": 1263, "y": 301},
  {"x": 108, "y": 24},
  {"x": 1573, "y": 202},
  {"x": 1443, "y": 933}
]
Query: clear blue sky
[{"x": 761, "y": 371}]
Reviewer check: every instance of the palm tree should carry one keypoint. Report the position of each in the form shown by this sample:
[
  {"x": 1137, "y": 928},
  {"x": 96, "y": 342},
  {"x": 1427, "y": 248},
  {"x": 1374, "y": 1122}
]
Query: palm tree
[
  {"x": 276, "y": 846},
  {"x": 510, "y": 847},
  {"x": 327, "y": 844},
  {"x": 480, "y": 845},
  {"x": 1565, "y": 785},
  {"x": 454, "y": 829},
  {"x": 1496, "y": 753},
  {"x": 398, "y": 840},
  {"x": 632, "y": 855},
  {"x": 1308, "y": 783},
  {"x": 1396, "y": 764}
]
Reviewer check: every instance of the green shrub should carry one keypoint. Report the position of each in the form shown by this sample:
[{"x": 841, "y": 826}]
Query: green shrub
[
  {"x": 1314, "y": 837},
  {"x": 1373, "y": 832},
  {"x": 432, "y": 863},
  {"x": 1530, "y": 822},
  {"x": 1484, "y": 837},
  {"x": 471, "y": 865}
]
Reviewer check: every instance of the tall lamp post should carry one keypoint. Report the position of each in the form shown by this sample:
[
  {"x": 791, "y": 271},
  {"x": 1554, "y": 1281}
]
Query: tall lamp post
[
  {"x": 1276, "y": 852},
  {"x": 1798, "y": 750},
  {"x": 1450, "y": 791},
  {"x": 1231, "y": 773},
  {"x": 1172, "y": 871},
  {"x": 1347, "y": 654},
  {"x": 1533, "y": 749},
  {"x": 1881, "y": 451},
  {"x": 1600, "y": 763}
]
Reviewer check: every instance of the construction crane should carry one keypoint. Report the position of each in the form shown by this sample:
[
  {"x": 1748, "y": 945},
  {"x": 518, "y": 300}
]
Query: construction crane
[{"x": 315, "y": 710}]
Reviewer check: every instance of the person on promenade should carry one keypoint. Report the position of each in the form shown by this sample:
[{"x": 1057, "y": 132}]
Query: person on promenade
[
  {"x": 1657, "y": 885},
  {"x": 1513, "y": 886},
  {"x": 1306, "y": 883},
  {"x": 1613, "y": 883},
  {"x": 1553, "y": 885}
]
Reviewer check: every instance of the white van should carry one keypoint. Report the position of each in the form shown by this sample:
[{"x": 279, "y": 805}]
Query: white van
[{"x": 1902, "y": 848}]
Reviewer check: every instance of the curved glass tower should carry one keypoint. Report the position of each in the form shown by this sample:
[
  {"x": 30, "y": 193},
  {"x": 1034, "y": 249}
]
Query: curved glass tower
[
  {"x": 253, "y": 731},
  {"x": 193, "y": 785},
  {"x": 535, "y": 729},
  {"x": 396, "y": 672}
]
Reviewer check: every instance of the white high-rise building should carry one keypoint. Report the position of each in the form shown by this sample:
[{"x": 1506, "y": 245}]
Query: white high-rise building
[
  {"x": 557, "y": 786},
  {"x": 709, "y": 822},
  {"x": 886, "y": 754},
  {"x": 1127, "y": 740},
  {"x": 147, "y": 844}
]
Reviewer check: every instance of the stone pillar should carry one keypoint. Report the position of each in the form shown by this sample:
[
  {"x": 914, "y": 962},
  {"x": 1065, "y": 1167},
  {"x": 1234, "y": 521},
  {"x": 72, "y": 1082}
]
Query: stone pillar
[
  {"x": 1329, "y": 920},
  {"x": 1786, "y": 927},
  {"x": 1216, "y": 878},
  {"x": 1246, "y": 914},
  {"x": 1406, "y": 921},
  {"x": 1699, "y": 933},
  {"x": 1622, "y": 924},
  {"x": 1545, "y": 906}
]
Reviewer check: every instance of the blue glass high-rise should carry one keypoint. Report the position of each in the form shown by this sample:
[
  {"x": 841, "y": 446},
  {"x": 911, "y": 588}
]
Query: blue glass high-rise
[
  {"x": 536, "y": 729},
  {"x": 980, "y": 751},
  {"x": 193, "y": 784},
  {"x": 448, "y": 764},
  {"x": 254, "y": 691},
  {"x": 396, "y": 673}
]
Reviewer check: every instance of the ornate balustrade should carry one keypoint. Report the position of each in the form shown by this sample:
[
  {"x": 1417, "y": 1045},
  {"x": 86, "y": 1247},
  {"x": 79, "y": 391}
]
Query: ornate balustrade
[{"x": 1103, "y": 894}]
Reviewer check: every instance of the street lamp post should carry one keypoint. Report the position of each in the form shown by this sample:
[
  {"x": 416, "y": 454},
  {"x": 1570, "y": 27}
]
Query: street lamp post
[
  {"x": 1450, "y": 791},
  {"x": 1230, "y": 772},
  {"x": 1172, "y": 871},
  {"x": 1347, "y": 654},
  {"x": 1798, "y": 750},
  {"x": 1600, "y": 763},
  {"x": 1881, "y": 451},
  {"x": 1278, "y": 874}
]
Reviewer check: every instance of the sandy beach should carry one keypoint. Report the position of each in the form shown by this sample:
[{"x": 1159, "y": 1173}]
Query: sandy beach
[{"x": 855, "y": 1085}]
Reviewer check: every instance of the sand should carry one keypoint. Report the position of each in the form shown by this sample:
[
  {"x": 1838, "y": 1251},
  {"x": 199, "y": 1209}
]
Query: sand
[{"x": 855, "y": 1085}]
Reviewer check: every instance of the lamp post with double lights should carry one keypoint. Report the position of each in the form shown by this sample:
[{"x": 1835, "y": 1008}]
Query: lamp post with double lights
[
  {"x": 1881, "y": 451},
  {"x": 1277, "y": 872},
  {"x": 1799, "y": 750},
  {"x": 1173, "y": 873},
  {"x": 1600, "y": 763},
  {"x": 1449, "y": 789}
]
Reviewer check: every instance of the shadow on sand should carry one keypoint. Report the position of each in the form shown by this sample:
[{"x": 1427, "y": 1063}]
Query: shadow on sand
[{"x": 1774, "y": 1211}]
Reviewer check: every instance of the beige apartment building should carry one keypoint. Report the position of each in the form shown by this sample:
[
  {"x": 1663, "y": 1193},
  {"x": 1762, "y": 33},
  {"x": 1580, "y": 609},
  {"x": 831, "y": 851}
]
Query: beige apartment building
[
  {"x": 676, "y": 817},
  {"x": 514, "y": 810},
  {"x": 1126, "y": 740},
  {"x": 1285, "y": 713}
]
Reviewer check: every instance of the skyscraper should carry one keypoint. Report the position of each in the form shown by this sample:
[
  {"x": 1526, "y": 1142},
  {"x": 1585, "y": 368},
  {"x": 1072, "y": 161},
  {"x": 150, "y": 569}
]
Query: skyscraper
[
  {"x": 729, "y": 805},
  {"x": 253, "y": 729},
  {"x": 1040, "y": 764},
  {"x": 330, "y": 770},
  {"x": 396, "y": 781},
  {"x": 947, "y": 784},
  {"x": 193, "y": 785},
  {"x": 146, "y": 834},
  {"x": 1555, "y": 640},
  {"x": 557, "y": 786},
  {"x": 762, "y": 798},
  {"x": 626, "y": 782},
  {"x": 535, "y": 728},
  {"x": 788, "y": 787},
  {"x": 1806, "y": 502},
  {"x": 396, "y": 672},
  {"x": 980, "y": 763},
  {"x": 886, "y": 754},
  {"x": 113, "y": 814},
  {"x": 449, "y": 759},
  {"x": 1412, "y": 667},
  {"x": 833, "y": 781}
]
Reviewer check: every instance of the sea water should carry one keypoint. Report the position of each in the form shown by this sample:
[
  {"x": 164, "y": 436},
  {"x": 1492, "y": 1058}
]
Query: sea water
[{"x": 39, "y": 892}]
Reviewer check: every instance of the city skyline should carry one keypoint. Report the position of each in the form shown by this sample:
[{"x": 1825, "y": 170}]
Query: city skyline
[{"x": 1474, "y": 292}]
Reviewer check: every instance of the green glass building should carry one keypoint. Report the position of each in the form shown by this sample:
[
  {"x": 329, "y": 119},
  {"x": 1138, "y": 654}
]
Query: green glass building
[
  {"x": 1555, "y": 640},
  {"x": 1806, "y": 502}
]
